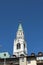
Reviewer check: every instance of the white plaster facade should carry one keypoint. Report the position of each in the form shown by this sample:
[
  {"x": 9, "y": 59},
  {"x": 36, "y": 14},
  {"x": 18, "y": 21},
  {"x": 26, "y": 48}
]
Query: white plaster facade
[
  {"x": 24, "y": 61},
  {"x": 32, "y": 62}
]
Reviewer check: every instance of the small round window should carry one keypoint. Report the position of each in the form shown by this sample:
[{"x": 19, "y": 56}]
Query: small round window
[{"x": 4, "y": 54}]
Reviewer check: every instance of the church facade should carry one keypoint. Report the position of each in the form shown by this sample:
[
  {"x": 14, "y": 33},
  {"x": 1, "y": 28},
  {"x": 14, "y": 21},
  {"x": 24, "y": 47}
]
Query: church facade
[{"x": 20, "y": 55}]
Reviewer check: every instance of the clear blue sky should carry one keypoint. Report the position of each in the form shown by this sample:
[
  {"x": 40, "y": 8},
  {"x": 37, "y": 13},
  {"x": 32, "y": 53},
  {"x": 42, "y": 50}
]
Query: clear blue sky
[{"x": 30, "y": 12}]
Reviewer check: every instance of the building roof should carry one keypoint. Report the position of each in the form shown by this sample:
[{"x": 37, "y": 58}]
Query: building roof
[{"x": 4, "y": 55}]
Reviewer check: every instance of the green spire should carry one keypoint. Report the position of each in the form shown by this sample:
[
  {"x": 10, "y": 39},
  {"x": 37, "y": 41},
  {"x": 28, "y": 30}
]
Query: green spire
[{"x": 20, "y": 27}]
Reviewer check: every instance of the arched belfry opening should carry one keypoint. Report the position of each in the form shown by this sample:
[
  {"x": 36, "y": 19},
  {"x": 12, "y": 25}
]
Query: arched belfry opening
[{"x": 18, "y": 45}]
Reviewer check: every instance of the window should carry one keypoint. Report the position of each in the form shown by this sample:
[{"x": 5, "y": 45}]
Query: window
[
  {"x": 18, "y": 46},
  {"x": 4, "y": 54}
]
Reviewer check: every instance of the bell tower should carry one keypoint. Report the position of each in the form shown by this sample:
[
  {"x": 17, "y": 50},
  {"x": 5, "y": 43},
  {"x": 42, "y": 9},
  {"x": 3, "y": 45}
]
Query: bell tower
[{"x": 20, "y": 46}]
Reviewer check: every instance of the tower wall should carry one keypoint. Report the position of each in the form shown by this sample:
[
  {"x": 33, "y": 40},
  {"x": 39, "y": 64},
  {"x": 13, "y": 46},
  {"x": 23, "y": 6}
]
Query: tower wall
[{"x": 19, "y": 46}]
